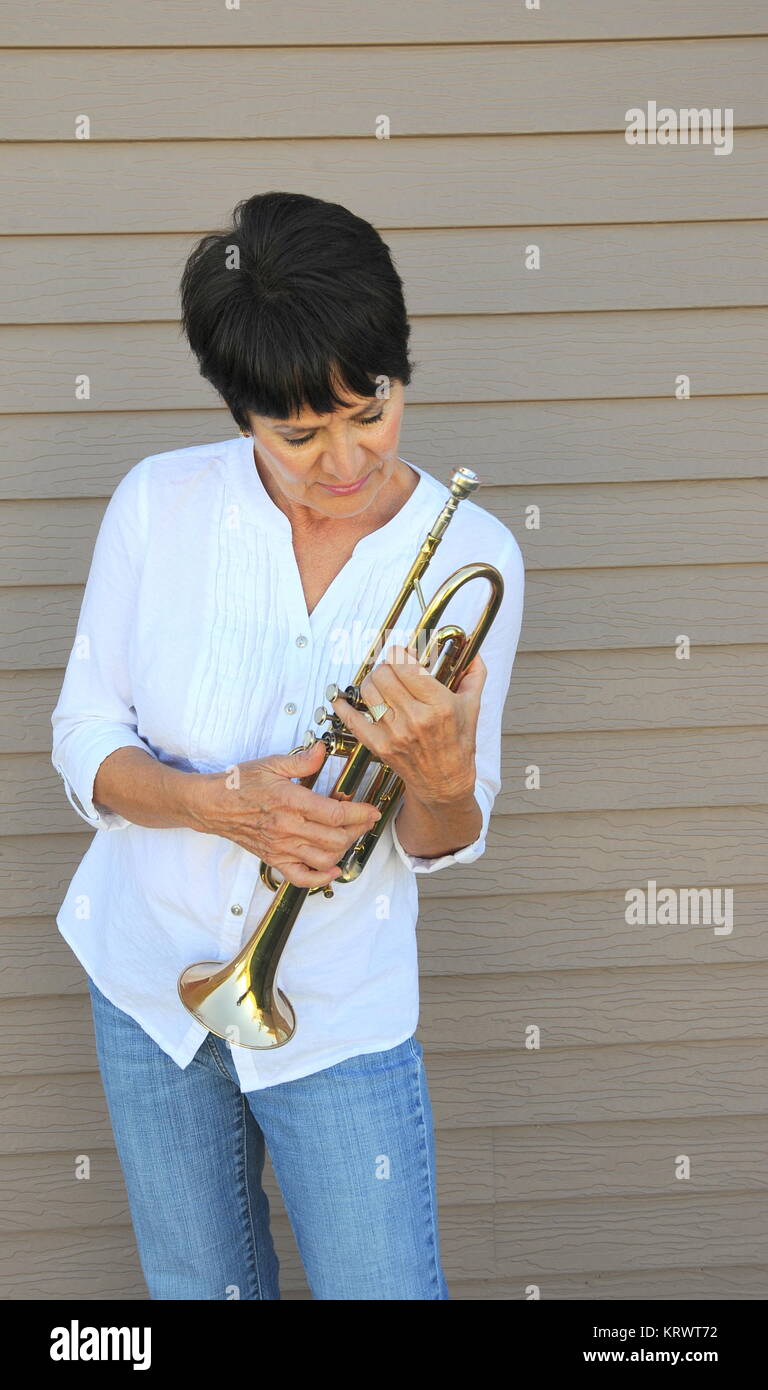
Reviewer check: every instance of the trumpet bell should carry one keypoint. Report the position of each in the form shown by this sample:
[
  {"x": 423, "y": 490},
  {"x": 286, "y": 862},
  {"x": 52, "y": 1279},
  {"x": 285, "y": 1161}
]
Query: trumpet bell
[{"x": 222, "y": 1001}]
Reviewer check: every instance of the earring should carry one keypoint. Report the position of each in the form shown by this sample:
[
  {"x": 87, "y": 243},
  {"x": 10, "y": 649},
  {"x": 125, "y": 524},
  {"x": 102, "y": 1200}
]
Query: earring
[{"x": 245, "y": 433}]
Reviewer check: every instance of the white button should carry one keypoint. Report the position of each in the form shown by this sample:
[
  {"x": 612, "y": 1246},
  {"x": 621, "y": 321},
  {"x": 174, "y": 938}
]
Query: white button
[
  {"x": 290, "y": 708},
  {"x": 301, "y": 640},
  {"x": 236, "y": 910}
]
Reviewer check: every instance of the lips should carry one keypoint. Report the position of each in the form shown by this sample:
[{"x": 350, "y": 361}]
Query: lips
[{"x": 344, "y": 491}]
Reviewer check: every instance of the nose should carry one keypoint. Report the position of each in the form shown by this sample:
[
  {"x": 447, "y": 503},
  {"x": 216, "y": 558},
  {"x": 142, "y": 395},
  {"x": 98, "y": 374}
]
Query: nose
[{"x": 345, "y": 459}]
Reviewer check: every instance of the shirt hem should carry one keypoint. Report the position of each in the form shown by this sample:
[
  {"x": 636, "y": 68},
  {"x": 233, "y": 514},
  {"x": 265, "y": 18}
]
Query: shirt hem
[{"x": 181, "y": 1054}]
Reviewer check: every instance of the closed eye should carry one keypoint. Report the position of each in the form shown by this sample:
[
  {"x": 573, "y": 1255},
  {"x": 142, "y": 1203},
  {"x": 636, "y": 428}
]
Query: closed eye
[{"x": 305, "y": 438}]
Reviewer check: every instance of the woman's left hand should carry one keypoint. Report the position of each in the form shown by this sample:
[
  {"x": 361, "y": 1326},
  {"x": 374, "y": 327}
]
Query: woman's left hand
[{"x": 427, "y": 736}]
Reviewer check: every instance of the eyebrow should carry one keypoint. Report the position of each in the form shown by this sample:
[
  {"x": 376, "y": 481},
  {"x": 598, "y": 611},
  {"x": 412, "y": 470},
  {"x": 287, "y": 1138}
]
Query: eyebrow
[{"x": 303, "y": 429}]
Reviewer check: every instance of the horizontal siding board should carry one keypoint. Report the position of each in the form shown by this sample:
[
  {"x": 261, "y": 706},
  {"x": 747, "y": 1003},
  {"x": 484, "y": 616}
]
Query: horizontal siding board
[
  {"x": 578, "y": 1085},
  {"x": 511, "y": 932},
  {"x": 569, "y": 852},
  {"x": 510, "y": 1240},
  {"x": 602, "y": 1008},
  {"x": 178, "y": 186},
  {"x": 87, "y": 1263},
  {"x": 54, "y": 1267},
  {"x": 51, "y": 541},
  {"x": 521, "y": 932},
  {"x": 92, "y": 1262},
  {"x": 672, "y": 1081},
  {"x": 630, "y": 1233},
  {"x": 536, "y": 443},
  {"x": 475, "y": 1166},
  {"x": 587, "y": 851},
  {"x": 475, "y": 357},
  {"x": 51, "y": 1266},
  {"x": 558, "y": 691},
  {"x": 592, "y": 610},
  {"x": 340, "y": 91},
  {"x": 43, "y": 1114},
  {"x": 37, "y": 960},
  {"x": 629, "y": 770},
  {"x": 465, "y": 270},
  {"x": 48, "y": 1264},
  {"x": 623, "y": 524},
  {"x": 550, "y": 693},
  {"x": 696, "y": 1285},
  {"x": 575, "y": 1009},
  {"x": 517, "y": 1241},
  {"x": 628, "y": 1158},
  {"x": 75, "y": 23},
  {"x": 667, "y": 1083},
  {"x": 610, "y": 771},
  {"x": 135, "y": 278},
  {"x": 644, "y": 608},
  {"x": 41, "y": 1191}
]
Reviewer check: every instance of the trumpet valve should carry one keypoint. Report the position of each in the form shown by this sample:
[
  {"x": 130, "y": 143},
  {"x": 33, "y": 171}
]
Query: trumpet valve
[{"x": 351, "y": 693}]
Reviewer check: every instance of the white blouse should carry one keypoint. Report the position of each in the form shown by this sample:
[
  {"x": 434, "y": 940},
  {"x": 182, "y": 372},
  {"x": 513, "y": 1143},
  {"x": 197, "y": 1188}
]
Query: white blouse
[{"x": 194, "y": 643}]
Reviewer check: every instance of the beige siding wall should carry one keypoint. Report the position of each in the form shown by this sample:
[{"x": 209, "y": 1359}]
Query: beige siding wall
[{"x": 557, "y": 1166}]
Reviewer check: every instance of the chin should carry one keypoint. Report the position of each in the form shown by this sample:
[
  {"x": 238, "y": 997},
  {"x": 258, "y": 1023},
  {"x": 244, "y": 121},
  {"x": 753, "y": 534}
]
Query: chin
[{"x": 348, "y": 506}]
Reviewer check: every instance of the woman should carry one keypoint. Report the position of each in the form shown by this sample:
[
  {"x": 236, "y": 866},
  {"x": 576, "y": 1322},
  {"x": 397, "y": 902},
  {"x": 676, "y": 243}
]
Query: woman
[{"x": 230, "y": 584}]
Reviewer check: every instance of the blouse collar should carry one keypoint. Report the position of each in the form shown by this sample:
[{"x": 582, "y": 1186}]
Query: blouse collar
[{"x": 267, "y": 514}]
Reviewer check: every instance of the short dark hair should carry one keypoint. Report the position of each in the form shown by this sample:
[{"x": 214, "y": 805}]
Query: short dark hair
[{"x": 310, "y": 299}]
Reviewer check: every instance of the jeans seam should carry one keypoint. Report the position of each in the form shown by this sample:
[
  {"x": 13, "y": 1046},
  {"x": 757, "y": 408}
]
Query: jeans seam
[
  {"x": 247, "y": 1195},
  {"x": 433, "y": 1236},
  {"x": 216, "y": 1057},
  {"x": 242, "y": 1164}
]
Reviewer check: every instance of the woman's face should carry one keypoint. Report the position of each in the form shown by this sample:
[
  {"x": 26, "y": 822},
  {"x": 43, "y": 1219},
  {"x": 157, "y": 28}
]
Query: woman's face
[{"x": 335, "y": 463}]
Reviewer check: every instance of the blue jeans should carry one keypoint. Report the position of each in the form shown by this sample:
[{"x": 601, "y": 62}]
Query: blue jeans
[{"x": 352, "y": 1148}]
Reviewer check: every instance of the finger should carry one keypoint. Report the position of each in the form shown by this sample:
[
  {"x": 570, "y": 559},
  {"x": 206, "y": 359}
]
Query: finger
[
  {"x": 314, "y": 857},
  {"x": 402, "y": 675},
  {"x": 330, "y": 810},
  {"x": 370, "y": 692},
  {"x": 304, "y": 877},
  {"x": 474, "y": 678},
  {"x": 298, "y": 830},
  {"x": 364, "y": 730}
]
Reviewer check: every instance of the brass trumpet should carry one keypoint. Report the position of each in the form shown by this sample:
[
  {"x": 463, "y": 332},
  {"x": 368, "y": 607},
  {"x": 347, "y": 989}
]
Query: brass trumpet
[{"x": 239, "y": 1000}]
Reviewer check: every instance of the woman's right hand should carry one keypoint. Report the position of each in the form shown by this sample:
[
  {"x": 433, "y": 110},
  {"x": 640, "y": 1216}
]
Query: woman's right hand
[{"x": 297, "y": 831}]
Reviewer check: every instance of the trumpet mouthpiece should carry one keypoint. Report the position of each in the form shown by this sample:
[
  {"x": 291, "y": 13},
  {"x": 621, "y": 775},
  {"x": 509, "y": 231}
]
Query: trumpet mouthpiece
[{"x": 463, "y": 482}]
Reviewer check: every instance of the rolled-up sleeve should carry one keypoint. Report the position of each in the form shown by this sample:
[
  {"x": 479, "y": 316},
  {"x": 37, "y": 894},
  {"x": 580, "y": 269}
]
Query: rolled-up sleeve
[
  {"x": 94, "y": 715},
  {"x": 498, "y": 652}
]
